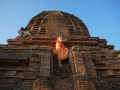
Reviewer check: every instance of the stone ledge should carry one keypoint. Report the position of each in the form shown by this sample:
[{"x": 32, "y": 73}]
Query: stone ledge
[
  {"x": 19, "y": 77},
  {"x": 12, "y": 68},
  {"x": 40, "y": 38},
  {"x": 12, "y": 40},
  {"x": 110, "y": 46},
  {"x": 108, "y": 68},
  {"x": 86, "y": 43}
]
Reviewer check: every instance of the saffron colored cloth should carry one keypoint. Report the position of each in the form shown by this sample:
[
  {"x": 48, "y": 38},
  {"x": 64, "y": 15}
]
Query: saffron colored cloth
[{"x": 61, "y": 50}]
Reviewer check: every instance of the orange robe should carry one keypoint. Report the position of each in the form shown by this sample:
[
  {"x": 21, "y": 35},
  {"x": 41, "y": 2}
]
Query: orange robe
[{"x": 61, "y": 50}]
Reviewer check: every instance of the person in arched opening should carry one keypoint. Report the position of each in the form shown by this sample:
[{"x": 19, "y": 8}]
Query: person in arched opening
[
  {"x": 24, "y": 32},
  {"x": 61, "y": 50}
]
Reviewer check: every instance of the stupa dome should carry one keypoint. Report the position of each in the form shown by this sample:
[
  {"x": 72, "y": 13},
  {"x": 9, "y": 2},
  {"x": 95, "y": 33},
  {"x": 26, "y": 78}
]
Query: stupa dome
[{"x": 52, "y": 23}]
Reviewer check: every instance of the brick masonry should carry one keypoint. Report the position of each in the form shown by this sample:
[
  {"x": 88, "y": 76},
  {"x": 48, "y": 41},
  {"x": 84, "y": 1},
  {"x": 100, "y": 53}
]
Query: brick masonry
[{"x": 28, "y": 63}]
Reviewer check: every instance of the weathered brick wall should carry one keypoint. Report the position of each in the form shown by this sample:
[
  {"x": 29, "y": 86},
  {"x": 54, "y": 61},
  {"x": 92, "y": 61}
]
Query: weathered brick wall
[
  {"x": 96, "y": 74},
  {"x": 28, "y": 63},
  {"x": 25, "y": 68},
  {"x": 80, "y": 71}
]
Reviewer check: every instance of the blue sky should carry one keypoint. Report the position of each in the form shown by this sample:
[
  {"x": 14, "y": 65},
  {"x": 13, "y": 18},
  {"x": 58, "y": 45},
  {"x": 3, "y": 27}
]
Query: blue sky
[{"x": 102, "y": 17}]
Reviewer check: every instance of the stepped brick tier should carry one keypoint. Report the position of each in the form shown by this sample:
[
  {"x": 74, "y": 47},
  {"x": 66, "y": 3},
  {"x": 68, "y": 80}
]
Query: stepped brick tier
[{"x": 28, "y": 63}]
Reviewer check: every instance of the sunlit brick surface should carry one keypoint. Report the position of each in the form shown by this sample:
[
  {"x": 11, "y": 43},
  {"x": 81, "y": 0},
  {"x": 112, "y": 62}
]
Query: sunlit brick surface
[{"x": 28, "y": 63}]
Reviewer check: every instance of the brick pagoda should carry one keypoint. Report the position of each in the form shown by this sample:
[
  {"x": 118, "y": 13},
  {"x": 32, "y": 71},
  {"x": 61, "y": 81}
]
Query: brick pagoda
[{"x": 28, "y": 63}]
